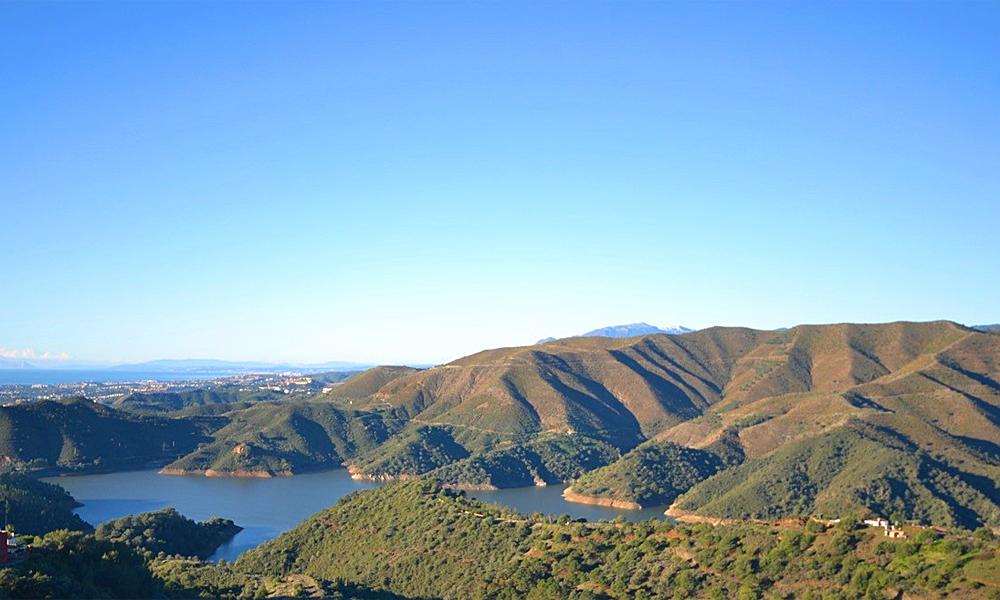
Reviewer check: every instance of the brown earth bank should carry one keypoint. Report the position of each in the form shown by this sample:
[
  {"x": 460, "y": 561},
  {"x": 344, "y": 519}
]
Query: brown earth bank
[
  {"x": 686, "y": 516},
  {"x": 235, "y": 473},
  {"x": 359, "y": 476},
  {"x": 569, "y": 496}
]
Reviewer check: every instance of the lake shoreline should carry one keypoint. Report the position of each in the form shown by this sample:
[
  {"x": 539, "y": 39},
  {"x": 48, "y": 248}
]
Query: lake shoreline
[
  {"x": 570, "y": 496},
  {"x": 83, "y": 471},
  {"x": 239, "y": 473}
]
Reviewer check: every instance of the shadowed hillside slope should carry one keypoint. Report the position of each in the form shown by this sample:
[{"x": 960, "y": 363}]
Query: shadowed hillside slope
[
  {"x": 34, "y": 507},
  {"x": 79, "y": 434}
]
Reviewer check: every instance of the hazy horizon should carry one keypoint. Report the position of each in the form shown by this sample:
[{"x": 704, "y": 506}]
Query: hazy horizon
[
  {"x": 86, "y": 363},
  {"x": 414, "y": 182}
]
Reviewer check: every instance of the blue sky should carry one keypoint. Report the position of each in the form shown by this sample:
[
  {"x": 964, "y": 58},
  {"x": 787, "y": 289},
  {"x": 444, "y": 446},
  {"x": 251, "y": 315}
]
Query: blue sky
[{"x": 417, "y": 181}]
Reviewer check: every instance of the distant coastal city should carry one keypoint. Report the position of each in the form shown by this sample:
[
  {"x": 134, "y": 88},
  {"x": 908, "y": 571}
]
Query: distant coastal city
[{"x": 107, "y": 392}]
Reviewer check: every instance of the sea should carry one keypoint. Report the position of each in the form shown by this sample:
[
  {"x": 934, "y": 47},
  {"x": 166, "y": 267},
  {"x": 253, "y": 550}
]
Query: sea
[{"x": 61, "y": 376}]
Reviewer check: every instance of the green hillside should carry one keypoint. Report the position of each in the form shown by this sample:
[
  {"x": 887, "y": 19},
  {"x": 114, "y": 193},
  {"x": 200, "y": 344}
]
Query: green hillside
[
  {"x": 853, "y": 469},
  {"x": 164, "y": 402},
  {"x": 655, "y": 473},
  {"x": 287, "y": 438},
  {"x": 547, "y": 459},
  {"x": 74, "y": 564},
  {"x": 167, "y": 531},
  {"x": 417, "y": 450},
  {"x": 34, "y": 507},
  {"x": 418, "y": 540},
  {"x": 79, "y": 434}
]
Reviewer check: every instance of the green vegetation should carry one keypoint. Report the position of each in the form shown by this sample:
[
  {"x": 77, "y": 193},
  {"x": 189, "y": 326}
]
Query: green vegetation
[
  {"x": 66, "y": 560},
  {"x": 188, "y": 578},
  {"x": 73, "y": 564},
  {"x": 166, "y": 402},
  {"x": 77, "y": 434},
  {"x": 750, "y": 421},
  {"x": 168, "y": 532},
  {"x": 546, "y": 459},
  {"x": 412, "y": 538},
  {"x": 191, "y": 578},
  {"x": 760, "y": 369},
  {"x": 34, "y": 507},
  {"x": 853, "y": 469},
  {"x": 417, "y": 539},
  {"x": 417, "y": 450},
  {"x": 653, "y": 474},
  {"x": 288, "y": 438}
]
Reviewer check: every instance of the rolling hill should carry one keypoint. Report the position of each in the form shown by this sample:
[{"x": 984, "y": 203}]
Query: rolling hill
[
  {"x": 931, "y": 388},
  {"x": 79, "y": 434},
  {"x": 167, "y": 402},
  {"x": 282, "y": 439},
  {"x": 420, "y": 540}
]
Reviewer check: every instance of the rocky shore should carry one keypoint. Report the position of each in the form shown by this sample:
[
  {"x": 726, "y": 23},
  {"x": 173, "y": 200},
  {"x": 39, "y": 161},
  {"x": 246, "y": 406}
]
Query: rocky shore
[{"x": 569, "y": 496}]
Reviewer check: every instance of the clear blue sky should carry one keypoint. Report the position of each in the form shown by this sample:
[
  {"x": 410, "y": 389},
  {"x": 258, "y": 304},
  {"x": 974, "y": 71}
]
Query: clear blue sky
[{"x": 414, "y": 182}]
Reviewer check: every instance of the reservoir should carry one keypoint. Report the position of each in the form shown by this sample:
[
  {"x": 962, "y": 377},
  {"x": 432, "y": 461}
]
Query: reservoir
[{"x": 265, "y": 508}]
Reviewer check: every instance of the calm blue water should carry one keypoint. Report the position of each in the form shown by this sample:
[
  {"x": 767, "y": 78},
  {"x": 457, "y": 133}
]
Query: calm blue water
[
  {"x": 265, "y": 508},
  {"x": 55, "y": 376}
]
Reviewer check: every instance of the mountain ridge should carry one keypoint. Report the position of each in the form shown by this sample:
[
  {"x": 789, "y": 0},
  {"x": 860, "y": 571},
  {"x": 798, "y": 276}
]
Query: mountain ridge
[
  {"x": 625, "y": 331},
  {"x": 932, "y": 385}
]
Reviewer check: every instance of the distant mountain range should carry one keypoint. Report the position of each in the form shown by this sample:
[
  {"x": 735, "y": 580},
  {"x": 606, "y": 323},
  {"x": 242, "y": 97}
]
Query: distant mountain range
[
  {"x": 15, "y": 363},
  {"x": 994, "y": 327},
  {"x": 627, "y": 331}
]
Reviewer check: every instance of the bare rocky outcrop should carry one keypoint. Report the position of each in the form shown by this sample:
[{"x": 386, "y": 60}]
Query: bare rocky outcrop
[{"x": 569, "y": 496}]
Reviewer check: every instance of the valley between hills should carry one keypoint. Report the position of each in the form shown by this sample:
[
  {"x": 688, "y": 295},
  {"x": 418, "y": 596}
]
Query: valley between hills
[{"x": 898, "y": 419}]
